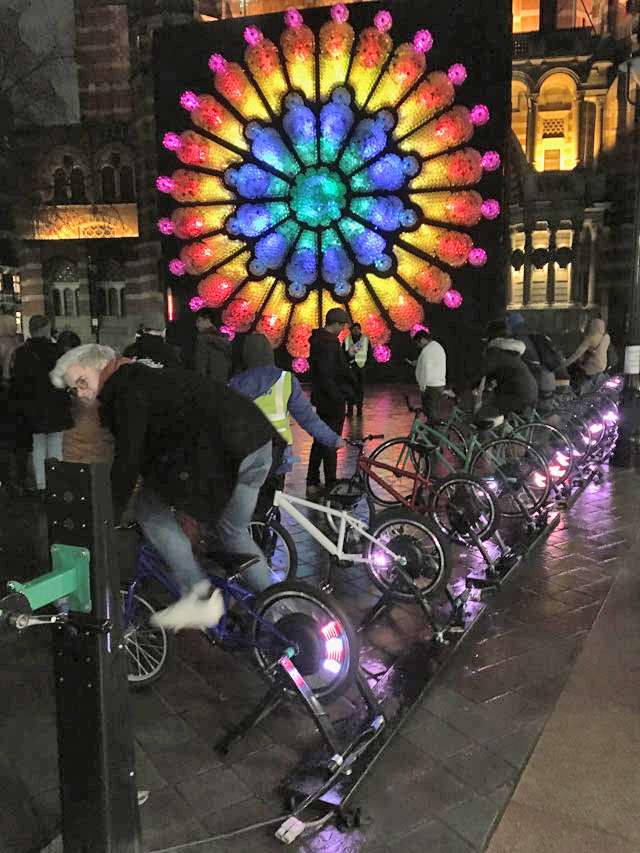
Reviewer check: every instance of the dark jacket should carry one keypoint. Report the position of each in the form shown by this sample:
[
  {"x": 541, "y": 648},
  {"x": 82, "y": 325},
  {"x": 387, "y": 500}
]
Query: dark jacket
[
  {"x": 152, "y": 348},
  {"x": 186, "y": 436},
  {"x": 256, "y": 381},
  {"x": 545, "y": 378},
  {"x": 516, "y": 388},
  {"x": 213, "y": 356},
  {"x": 38, "y": 406},
  {"x": 331, "y": 380}
]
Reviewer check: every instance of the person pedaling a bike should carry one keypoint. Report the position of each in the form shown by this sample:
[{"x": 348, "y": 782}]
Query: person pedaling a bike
[
  {"x": 279, "y": 396},
  {"x": 200, "y": 448}
]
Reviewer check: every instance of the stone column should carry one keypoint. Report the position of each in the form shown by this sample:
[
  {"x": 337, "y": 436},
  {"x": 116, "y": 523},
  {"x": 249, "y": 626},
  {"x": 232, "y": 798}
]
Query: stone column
[
  {"x": 579, "y": 129},
  {"x": 599, "y": 129},
  {"x": 591, "y": 284},
  {"x": 551, "y": 266},
  {"x": 532, "y": 128},
  {"x": 578, "y": 259},
  {"x": 526, "y": 274}
]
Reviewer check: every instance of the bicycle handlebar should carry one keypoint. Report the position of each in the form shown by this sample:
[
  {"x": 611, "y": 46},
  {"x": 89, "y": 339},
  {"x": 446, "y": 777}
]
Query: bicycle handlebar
[
  {"x": 416, "y": 410},
  {"x": 359, "y": 442}
]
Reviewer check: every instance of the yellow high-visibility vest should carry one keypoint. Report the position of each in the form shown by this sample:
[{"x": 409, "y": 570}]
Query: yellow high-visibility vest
[
  {"x": 362, "y": 349},
  {"x": 273, "y": 405}
]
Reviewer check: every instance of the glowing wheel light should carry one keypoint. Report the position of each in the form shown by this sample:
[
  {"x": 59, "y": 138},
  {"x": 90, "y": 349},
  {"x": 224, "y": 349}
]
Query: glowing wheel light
[
  {"x": 331, "y": 168},
  {"x": 539, "y": 480}
]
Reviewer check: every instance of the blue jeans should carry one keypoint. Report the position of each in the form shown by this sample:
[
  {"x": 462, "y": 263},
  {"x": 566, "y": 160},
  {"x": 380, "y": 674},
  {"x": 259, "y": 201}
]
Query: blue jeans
[
  {"x": 170, "y": 541},
  {"x": 46, "y": 445}
]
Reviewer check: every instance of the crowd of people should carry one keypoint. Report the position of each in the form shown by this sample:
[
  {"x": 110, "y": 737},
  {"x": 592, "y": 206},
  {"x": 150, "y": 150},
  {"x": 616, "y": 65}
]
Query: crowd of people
[{"x": 195, "y": 449}]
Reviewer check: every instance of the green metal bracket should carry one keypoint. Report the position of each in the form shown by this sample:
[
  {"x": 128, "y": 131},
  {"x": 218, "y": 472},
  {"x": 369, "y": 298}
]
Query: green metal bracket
[{"x": 69, "y": 579}]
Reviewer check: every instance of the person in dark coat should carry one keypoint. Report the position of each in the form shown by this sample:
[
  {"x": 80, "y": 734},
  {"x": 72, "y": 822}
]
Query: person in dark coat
[
  {"x": 213, "y": 349},
  {"x": 515, "y": 386},
  {"x": 150, "y": 346},
  {"x": 533, "y": 357},
  {"x": 41, "y": 410},
  {"x": 200, "y": 448},
  {"x": 331, "y": 387}
]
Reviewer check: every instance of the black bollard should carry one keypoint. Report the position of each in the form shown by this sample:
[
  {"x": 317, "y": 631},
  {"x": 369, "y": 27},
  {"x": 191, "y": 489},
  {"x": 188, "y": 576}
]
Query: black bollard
[{"x": 95, "y": 740}]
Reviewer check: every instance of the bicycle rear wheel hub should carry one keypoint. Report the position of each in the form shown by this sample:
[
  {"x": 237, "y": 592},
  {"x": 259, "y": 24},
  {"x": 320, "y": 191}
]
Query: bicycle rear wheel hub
[
  {"x": 409, "y": 548},
  {"x": 304, "y": 634}
]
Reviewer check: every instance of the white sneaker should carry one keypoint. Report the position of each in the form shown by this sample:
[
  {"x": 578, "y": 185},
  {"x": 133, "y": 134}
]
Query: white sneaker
[{"x": 197, "y": 610}]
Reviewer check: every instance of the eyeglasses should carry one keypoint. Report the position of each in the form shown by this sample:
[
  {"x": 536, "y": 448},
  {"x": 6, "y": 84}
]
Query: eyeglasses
[{"x": 81, "y": 384}]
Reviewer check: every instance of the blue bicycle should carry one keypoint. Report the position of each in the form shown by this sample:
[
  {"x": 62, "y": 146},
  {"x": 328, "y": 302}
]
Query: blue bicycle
[{"x": 289, "y": 626}]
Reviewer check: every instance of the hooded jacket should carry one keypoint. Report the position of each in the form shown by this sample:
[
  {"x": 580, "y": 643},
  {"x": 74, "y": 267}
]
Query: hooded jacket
[
  {"x": 213, "y": 356},
  {"x": 256, "y": 381},
  {"x": 185, "y": 435},
  {"x": 516, "y": 387},
  {"x": 331, "y": 381},
  {"x": 593, "y": 349}
]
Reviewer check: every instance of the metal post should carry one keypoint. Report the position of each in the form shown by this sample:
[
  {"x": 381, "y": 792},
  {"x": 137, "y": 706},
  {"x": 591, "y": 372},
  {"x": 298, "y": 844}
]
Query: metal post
[
  {"x": 95, "y": 741},
  {"x": 630, "y": 416}
]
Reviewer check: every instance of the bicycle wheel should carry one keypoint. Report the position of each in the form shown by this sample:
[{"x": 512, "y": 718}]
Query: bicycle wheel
[
  {"x": 576, "y": 430},
  {"x": 295, "y": 614},
  {"x": 403, "y": 456},
  {"x": 464, "y": 508},
  {"x": 416, "y": 538},
  {"x": 276, "y": 543},
  {"x": 554, "y": 447},
  {"x": 516, "y": 474},
  {"x": 146, "y": 646},
  {"x": 350, "y": 496}
]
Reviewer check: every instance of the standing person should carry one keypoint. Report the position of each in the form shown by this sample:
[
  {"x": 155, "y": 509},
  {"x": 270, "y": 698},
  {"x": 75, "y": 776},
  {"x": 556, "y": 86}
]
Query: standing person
[
  {"x": 356, "y": 346},
  {"x": 279, "y": 395},
  {"x": 43, "y": 411},
  {"x": 431, "y": 373},
  {"x": 331, "y": 387},
  {"x": 213, "y": 349},
  {"x": 150, "y": 345},
  {"x": 200, "y": 448},
  {"x": 591, "y": 355}
]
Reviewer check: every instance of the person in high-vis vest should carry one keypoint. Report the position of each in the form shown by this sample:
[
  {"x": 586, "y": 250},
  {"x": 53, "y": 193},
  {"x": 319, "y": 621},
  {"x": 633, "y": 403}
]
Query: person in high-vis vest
[
  {"x": 356, "y": 347},
  {"x": 279, "y": 395}
]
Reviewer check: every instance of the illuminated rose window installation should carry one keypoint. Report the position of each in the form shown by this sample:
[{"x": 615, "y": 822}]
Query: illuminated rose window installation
[{"x": 331, "y": 168}]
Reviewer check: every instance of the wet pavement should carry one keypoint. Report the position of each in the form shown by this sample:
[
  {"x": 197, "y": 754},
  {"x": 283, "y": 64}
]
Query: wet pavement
[{"x": 442, "y": 782}]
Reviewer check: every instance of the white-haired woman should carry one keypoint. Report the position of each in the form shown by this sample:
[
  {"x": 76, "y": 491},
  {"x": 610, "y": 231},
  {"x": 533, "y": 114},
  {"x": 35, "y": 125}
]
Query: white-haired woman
[{"x": 200, "y": 448}]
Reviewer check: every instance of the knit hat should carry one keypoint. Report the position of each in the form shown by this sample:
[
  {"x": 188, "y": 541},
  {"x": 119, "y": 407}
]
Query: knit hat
[
  {"x": 257, "y": 351},
  {"x": 39, "y": 326},
  {"x": 514, "y": 318}
]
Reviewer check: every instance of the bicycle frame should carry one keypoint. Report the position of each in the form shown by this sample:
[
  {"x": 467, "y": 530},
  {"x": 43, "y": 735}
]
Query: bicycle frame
[
  {"x": 290, "y": 504},
  {"x": 366, "y": 464},
  {"x": 149, "y": 566}
]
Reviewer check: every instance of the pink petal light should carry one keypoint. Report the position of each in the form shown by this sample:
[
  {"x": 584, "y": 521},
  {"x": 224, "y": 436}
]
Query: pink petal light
[
  {"x": 381, "y": 353},
  {"x": 423, "y": 41},
  {"x": 477, "y": 257},
  {"x": 383, "y": 20},
  {"x": 176, "y": 267},
  {"x": 217, "y": 62},
  {"x": 490, "y": 161},
  {"x": 171, "y": 141},
  {"x": 196, "y": 303},
  {"x": 252, "y": 35},
  {"x": 164, "y": 184},
  {"x": 480, "y": 115},
  {"x": 189, "y": 100},
  {"x": 490, "y": 208},
  {"x": 228, "y": 331},
  {"x": 457, "y": 74},
  {"x": 453, "y": 299},
  {"x": 340, "y": 13},
  {"x": 300, "y": 365},
  {"x": 419, "y": 327},
  {"x": 165, "y": 226},
  {"x": 293, "y": 18}
]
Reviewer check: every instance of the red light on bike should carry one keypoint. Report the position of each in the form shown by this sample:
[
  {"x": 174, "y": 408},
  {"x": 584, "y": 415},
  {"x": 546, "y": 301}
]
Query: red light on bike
[
  {"x": 563, "y": 459},
  {"x": 594, "y": 429},
  {"x": 292, "y": 672},
  {"x": 330, "y": 630},
  {"x": 539, "y": 480},
  {"x": 557, "y": 472},
  {"x": 333, "y": 666}
]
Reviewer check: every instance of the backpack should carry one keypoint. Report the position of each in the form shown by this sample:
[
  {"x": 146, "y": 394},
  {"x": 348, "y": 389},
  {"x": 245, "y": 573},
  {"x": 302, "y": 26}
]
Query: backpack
[{"x": 549, "y": 355}]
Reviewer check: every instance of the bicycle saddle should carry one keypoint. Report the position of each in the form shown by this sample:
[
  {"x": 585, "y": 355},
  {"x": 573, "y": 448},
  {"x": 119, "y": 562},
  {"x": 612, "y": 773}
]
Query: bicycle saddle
[{"x": 489, "y": 422}]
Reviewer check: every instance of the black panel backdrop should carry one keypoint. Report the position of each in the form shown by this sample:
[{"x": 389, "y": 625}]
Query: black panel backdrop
[{"x": 476, "y": 33}]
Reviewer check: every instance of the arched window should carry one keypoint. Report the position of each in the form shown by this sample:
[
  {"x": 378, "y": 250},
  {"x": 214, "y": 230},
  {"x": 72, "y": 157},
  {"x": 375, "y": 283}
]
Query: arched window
[
  {"x": 557, "y": 131},
  {"x": 108, "y": 185},
  {"x": 123, "y": 306},
  {"x": 519, "y": 111},
  {"x": 57, "y": 302},
  {"x": 69, "y": 302},
  {"x": 60, "y": 190},
  {"x": 101, "y": 302},
  {"x": 127, "y": 188},
  {"x": 77, "y": 186}
]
